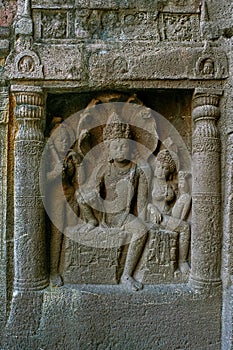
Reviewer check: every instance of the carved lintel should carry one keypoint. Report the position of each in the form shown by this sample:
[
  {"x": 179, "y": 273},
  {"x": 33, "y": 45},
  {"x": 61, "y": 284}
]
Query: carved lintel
[{"x": 206, "y": 192}]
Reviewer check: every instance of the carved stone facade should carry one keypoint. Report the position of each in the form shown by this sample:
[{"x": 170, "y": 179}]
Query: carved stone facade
[{"x": 116, "y": 174}]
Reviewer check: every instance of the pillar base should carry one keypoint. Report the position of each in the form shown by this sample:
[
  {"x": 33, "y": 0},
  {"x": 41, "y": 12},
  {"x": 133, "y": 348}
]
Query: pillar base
[
  {"x": 198, "y": 283},
  {"x": 33, "y": 286},
  {"x": 25, "y": 314}
]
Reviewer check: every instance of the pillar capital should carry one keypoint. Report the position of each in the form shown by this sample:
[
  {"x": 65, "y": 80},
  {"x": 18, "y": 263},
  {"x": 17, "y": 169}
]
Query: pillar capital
[
  {"x": 29, "y": 112},
  {"x": 205, "y": 105}
]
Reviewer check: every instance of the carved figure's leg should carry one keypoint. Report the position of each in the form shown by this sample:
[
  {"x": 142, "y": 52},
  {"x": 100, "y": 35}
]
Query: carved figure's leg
[
  {"x": 55, "y": 252},
  {"x": 87, "y": 214},
  {"x": 184, "y": 242},
  {"x": 58, "y": 214},
  {"x": 134, "y": 253}
]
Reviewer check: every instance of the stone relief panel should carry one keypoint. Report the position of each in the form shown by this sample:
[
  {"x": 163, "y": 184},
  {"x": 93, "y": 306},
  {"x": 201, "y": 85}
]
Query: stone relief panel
[
  {"x": 211, "y": 64},
  {"x": 54, "y": 25},
  {"x": 95, "y": 24},
  {"x": 179, "y": 27},
  {"x": 160, "y": 21},
  {"x": 121, "y": 210}
]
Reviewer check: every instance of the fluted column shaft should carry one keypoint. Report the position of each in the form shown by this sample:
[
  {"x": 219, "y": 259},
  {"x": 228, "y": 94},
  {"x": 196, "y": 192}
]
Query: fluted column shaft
[
  {"x": 206, "y": 235},
  {"x": 29, "y": 229}
]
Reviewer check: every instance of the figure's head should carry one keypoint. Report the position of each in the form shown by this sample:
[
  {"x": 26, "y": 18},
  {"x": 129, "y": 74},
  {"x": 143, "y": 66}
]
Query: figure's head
[
  {"x": 119, "y": 150},
  {"x": 62, "y": 140},
  {"x": 208, "y": 67},
  {"x": 61, "y": 135},
  {"x": 116, "y": 135},
  {"x": 164, "y": 165}
]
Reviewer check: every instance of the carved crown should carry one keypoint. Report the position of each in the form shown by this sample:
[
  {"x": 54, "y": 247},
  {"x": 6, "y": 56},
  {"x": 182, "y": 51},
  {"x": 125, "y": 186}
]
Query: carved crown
[{"x": 115, "y": 129}]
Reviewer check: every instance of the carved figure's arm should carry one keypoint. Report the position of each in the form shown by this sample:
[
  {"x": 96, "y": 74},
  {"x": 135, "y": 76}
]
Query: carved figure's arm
[
  {"x": 182, "y": 207},
  {"x": 56, "y": 172},
  {"x": 142, "y": 195},
  {"x": 155, "y": 215},
  {"x": 186, "y": 208}
]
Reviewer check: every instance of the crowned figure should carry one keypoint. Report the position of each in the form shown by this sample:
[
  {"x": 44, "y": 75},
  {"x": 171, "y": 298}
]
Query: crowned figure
[{"x": 116, "y": 201}]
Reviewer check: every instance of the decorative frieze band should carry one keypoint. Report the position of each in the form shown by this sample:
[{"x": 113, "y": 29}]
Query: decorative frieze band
[
  {"x": 206, "y": 144},
  {"x": 121, "y": 20},
  {"x": 209, "y": 199},
  {"x": 29, "y": 202}
]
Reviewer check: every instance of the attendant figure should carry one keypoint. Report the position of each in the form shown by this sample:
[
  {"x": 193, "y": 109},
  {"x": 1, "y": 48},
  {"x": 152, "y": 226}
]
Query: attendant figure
[
  {"x": 60, "y": 177},
  {"x": 162, "y": 210}
]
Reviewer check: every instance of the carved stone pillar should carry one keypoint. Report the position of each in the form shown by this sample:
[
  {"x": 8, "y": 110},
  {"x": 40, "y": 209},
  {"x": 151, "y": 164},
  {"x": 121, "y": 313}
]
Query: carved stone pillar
[
  {"x": 30, "y": 272},
  {"x": 4, "y": 118},
  {"x": 29, "y": 237},
  {"x": 206, "y": 192}
]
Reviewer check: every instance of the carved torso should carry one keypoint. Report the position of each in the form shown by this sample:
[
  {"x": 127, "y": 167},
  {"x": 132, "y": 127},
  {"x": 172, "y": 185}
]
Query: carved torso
[
  {"x": 162, "y": 194},
  {"x": 117, "y": 188}
]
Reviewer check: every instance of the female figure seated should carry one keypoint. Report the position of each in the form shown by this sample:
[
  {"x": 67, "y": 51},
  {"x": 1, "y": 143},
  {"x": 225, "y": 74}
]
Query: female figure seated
[{"x": 161, "y": 211}]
